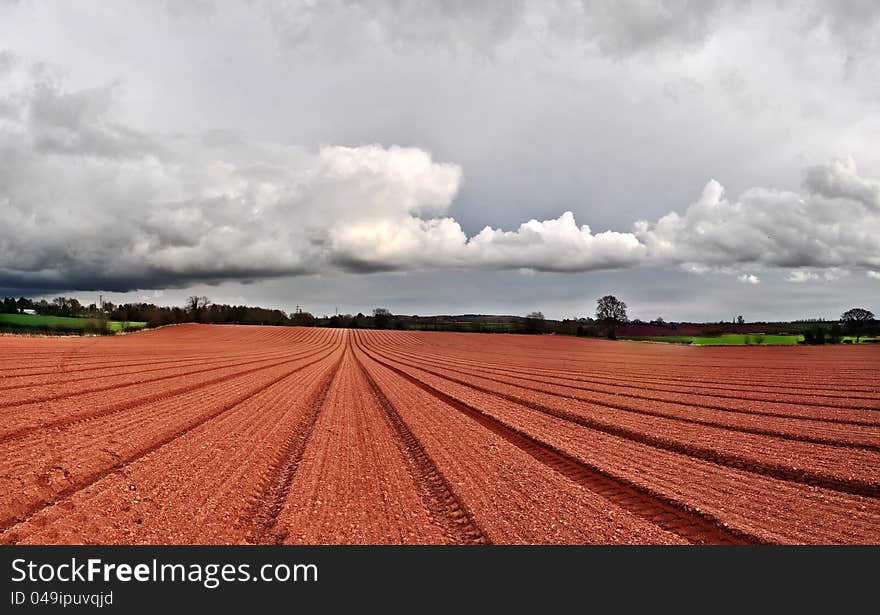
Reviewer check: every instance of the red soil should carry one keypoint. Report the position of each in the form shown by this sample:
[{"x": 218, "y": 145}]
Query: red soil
[{"x": 210, "y": 434}]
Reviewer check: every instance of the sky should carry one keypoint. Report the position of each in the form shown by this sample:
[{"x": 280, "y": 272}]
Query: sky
[{"x": 699, "y": 160}]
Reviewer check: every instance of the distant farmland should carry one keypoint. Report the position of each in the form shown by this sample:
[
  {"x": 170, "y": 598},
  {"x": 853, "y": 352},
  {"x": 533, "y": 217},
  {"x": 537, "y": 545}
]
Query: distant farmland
[
  {"x": 727, "y": 339},
  {"x": 29, "y": 322},
  {"x": 734, "y": 339}
]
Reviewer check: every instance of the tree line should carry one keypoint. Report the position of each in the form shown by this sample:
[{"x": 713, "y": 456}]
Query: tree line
[
  {"x": 610, "y": 318},
  {"x": 196, "y": 309}
]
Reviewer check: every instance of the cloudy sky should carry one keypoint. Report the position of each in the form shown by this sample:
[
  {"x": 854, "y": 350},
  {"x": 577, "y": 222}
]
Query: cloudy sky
[{"x": 697, "y": 159}]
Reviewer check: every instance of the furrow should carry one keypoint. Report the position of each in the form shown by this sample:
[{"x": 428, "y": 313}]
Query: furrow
[
  {"x": 275, "y": 489},
  {"x": 140, "y": 401},
  {"x": 94, "y": 477},
  {"x": 446, "y": 509},
  {"x": 668, "y": 415},
  {"x": 626, "y": 390},
  {"x": 14, "y": 403},
  {"x": 806, "y": 476},
  {"x": 671, "y": 515}
]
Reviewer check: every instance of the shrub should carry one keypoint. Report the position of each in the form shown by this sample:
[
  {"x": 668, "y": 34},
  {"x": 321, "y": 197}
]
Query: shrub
[
  {"x": 96, "y": 326},
  {"x": 834, "y": 334}
]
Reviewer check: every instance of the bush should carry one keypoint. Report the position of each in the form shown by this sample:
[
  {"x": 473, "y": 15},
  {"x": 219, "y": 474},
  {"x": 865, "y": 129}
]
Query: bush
[
  {"x": 816, "y": 336},
  {"x": 587, "y": 331},
  {"x": 97, "y": 326},
  {"x": 835, "y": 333}
]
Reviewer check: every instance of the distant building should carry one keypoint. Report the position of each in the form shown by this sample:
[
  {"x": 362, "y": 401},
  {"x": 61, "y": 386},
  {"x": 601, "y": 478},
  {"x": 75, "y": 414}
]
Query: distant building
[{"x": 31, "y": 312}]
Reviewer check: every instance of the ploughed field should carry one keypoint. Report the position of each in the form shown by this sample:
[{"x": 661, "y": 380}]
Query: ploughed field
[{"x": 229, "y": 434}]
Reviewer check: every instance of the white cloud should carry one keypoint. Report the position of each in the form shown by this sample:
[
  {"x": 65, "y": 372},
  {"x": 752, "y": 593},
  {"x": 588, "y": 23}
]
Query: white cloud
[
  {"x": 800, "y": 276},
  {"x": 91, "y": 203},
  {"x": 840, "y": 180},
  {"x": 834, "y": 273},
  {"x": 775, "y": 228},
  {"x": 555, "y": 245},
  {"x": 874, "y": 274}
]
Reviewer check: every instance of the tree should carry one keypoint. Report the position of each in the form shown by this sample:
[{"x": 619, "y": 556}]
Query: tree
[
  {"x": 359, "y": 321},
  {"x": 610, "y": 307},
  {"x": 62, "y": 306},
  {"x": 196, "y": 307},
  {"x": 740, "y": 320},
  {"x": 381, "y": 318},
  {"x": 856, "y": 320},
  {"x": 302, "y": 319},
  {"x": 834, "y": 334},
  {"x": 23, "y": 304},
  {"x": 535, "y": 322},
  {"x": 611, "y": 311}
]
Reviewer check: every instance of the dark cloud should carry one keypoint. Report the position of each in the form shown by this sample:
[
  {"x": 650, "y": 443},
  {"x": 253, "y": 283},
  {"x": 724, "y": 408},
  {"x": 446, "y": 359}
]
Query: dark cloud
[
  {"x": 621, "y": 29},
  {"x": 78, "y": 124},
  {"x": 854, "y": 24},
  {"x": 93, "y": 204},
  {"x": 615, "y": 28},
  {"x": 347, "y": 27},
  {"x": 160, "y": 146}
]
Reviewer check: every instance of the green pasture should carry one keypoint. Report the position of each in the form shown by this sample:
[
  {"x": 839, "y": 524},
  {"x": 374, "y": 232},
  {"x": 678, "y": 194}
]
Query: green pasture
[
  {"x": 29, "y": 321},
  {"x": 740, "y": 339},
  {"x": 726, "y": 339}
]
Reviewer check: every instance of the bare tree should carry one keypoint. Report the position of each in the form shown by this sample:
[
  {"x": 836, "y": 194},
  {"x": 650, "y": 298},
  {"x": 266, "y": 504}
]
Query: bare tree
[
  {"x": 196, "y": 306},
  {"x": 856, "y": 320}
]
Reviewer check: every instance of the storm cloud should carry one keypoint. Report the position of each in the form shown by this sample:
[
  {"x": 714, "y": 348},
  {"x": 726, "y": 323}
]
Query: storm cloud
[
  {"x": 219, "y": 143},
  {"x": 93, "y": 203}
]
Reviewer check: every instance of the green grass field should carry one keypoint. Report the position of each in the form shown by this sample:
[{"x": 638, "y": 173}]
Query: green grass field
[
  {"x": 738, "y": 339},
  {"x": 28, "y": 321},
  {"x": 727, "y": 339}
]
